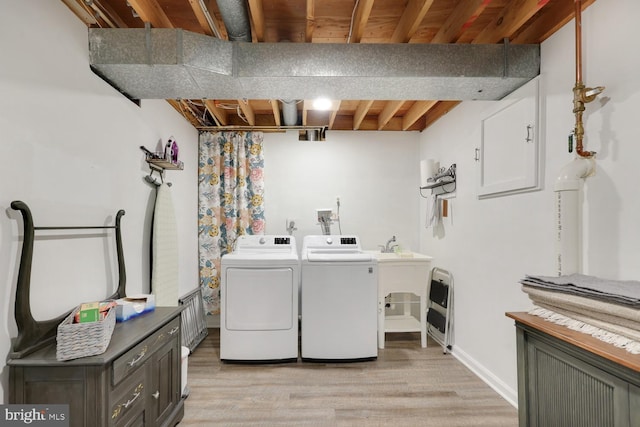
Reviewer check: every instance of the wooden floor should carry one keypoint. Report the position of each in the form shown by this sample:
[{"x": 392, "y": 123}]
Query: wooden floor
[{"x": 406, "y": 386}]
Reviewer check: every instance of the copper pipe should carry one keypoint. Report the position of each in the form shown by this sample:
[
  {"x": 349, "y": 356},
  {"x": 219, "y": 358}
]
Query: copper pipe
[
  {"x": 581, "y": 94},
  {"x": 578, "y": 19}
]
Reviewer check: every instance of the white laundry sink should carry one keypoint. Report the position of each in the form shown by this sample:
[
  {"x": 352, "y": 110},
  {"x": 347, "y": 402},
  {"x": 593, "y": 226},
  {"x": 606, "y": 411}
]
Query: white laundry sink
[
  {"x": 401, "y": 256},
  {"x": 403, "y": 273}
]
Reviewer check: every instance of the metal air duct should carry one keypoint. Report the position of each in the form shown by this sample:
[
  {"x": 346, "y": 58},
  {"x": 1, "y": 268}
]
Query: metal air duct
[
  {"x": 158, "y": 63},
  {"x": 235, "y": 15}
]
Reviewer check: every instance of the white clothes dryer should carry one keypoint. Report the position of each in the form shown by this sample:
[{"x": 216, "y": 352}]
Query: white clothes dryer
[
  {"x": 339, "y": 293},
  {"x": 259, "y": 300}
]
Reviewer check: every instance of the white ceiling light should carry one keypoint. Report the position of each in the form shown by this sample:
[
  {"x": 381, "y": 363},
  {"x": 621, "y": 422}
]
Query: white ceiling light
[{"x": 322, "y": 104}]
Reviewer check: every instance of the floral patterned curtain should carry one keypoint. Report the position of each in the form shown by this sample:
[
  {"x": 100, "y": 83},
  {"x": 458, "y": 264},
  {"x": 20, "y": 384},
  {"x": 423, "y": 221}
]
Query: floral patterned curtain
[{"x": 230, "y": 201}]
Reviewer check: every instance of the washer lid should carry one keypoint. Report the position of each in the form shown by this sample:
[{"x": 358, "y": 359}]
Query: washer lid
[{"x": 338, "y": 255}]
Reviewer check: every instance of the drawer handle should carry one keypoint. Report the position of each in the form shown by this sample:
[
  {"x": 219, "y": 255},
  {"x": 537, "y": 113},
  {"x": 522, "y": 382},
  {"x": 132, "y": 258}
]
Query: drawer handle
[
  {"x": 138, "y": 357},
  {"x": 156, "y": 395},
  {"x": 136, "y": 393},
  {"x": 174, "y": 330},
  {"x": 130, "y": 401}
]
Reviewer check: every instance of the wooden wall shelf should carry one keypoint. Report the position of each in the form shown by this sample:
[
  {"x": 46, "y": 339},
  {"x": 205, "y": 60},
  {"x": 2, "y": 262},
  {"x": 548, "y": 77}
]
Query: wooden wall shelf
[{"x": 165, "y": 164}]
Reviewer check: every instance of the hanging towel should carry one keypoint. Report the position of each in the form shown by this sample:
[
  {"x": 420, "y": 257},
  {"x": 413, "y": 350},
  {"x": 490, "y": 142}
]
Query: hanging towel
[
  {"x": 164, "y": 263},
  {"x": 433, "y": 211}
]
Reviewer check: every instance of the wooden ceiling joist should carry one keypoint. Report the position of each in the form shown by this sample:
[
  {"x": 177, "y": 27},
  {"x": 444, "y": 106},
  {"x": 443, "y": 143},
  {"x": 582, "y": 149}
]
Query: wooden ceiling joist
[
  {"x": 388, "y": 112},
  {"x": 257, "y": 18},
  {"x": 187, "y": 112},
  {"x": 512, "y": 17},
  {"x": 361, "y": 111},
  {"x": 334, "y": 113},
  {"x": 437, "y": 111},
  {"x": 550, "y": 19},
  {"x": 204, "y": 17},
  {"x": 79, "y": 10},
  {"x": 150, "y": 11},
  {"x": 360, "y": 19},
  {"x": 463, "y": 15},
  {"x": 115, "y": 21},
  {"x": 410, "y": 20},
  {"x": 417, "y": 110},
  {"x": 311, "y": 21},
  {"x": 247, "y": 111},
  {"x": 218, "y": 114},
  {"x": 275, "y": 107}
]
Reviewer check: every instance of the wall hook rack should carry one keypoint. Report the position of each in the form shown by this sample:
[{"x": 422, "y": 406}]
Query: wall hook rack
[
  {"x": 159, "y": 162},
  {"x": 444, "y": 181},
  {"x": 151, "y": 180}
]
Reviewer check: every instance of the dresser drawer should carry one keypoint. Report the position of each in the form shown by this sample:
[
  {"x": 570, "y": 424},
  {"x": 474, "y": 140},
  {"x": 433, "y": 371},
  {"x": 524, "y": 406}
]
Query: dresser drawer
[
  {"x": 139, "y": 354},
  {"x": 127, "y": 401}
]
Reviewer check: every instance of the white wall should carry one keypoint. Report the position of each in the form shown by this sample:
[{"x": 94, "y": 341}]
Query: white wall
[
  {"x": 70, "y": 150},
  {"x": 375, "y": 174},
  {"x": 490, "y": 244}
]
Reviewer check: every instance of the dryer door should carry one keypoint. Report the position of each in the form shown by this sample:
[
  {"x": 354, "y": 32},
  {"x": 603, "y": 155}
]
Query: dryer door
[{"x": 260, "y": 299}]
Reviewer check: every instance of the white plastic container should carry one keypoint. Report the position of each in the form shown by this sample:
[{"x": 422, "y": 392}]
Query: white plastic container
[{"x": 185, "y": 367}]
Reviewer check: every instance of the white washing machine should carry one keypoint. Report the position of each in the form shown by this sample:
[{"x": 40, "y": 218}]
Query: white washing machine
[
  {"x": 339, "y": 292},
  {"x": 259, "y": 300}
]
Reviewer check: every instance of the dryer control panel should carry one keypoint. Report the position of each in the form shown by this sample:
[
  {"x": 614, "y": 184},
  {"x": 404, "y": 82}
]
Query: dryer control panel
[{"x": 260, "y": 243}]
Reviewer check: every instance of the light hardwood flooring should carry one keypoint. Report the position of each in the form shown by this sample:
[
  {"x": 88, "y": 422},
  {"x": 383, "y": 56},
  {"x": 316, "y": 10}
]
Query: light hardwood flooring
[{"x": 406, "y": 386}]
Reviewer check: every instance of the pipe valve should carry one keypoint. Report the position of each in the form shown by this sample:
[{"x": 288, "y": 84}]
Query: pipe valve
[
  {"x": 581, "y": 96},
  {"x": 590, "y": 93}
]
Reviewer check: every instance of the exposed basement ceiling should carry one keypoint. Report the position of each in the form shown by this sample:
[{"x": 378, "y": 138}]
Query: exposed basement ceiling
[{"x": 387, "y": 64}]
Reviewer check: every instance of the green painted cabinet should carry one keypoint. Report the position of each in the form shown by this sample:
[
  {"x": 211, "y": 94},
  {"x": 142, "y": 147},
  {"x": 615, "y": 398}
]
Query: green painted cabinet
[{"x": 565, "y": 385}]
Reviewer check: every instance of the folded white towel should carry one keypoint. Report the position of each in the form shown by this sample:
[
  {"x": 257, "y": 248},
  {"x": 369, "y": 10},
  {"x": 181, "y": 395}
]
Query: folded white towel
[
  {"x": 586, "y": 327},
  {"x": 433, "y": 211}
]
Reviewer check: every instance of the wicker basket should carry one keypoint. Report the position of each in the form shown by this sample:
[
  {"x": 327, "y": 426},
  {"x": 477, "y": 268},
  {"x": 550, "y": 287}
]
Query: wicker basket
[{"x": 84, "y": 339}]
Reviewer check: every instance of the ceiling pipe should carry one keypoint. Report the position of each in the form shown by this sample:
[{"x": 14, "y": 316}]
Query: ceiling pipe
[
  {"x": 289, "y": 111},
  {"x": 290, "y": 107},
  {"x": 235, "y": 15},
  {"x": 570, "y": 182}
]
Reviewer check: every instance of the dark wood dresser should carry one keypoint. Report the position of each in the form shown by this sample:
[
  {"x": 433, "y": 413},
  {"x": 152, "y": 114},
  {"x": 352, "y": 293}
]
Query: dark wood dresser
[
  {"x": 136, "y": 382},
  {"x": 567, "y": 378}
]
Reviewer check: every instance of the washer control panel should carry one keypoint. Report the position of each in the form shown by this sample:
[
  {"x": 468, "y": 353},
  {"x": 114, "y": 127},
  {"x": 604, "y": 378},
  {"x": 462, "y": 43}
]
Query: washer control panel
[{"x": 331, "y": 242}]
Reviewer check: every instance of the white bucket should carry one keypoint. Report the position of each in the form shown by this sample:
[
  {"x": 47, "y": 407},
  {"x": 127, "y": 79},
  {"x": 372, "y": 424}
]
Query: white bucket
[{"x": 185, "y": 366}]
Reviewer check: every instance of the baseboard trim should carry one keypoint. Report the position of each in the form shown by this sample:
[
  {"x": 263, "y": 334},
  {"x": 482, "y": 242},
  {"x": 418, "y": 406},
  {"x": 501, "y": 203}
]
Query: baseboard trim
[
  {"x": 213, "y": 320},
  {"x": 507, "y": 393}
]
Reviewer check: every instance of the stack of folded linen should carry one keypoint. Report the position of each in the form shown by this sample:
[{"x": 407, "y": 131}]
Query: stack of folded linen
[{"x": 606, "y": 309}]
